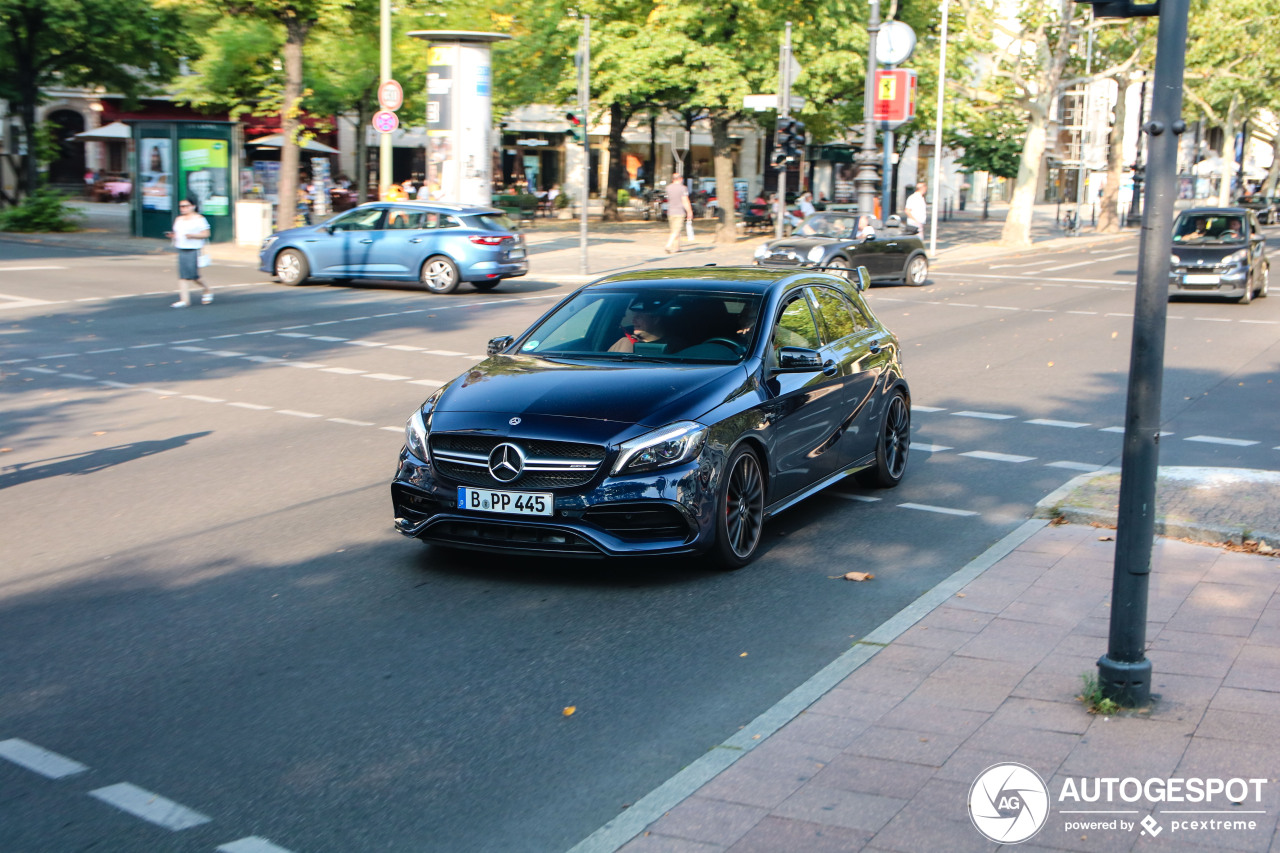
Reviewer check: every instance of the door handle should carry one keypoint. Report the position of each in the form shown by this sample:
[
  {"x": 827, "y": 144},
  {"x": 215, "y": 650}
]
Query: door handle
[
  {"x": 367, "y": 240},
  {"x": 416, "y": 240},
  {"x": 875, "y": 348},
  {"x": 830, "y": 367}
]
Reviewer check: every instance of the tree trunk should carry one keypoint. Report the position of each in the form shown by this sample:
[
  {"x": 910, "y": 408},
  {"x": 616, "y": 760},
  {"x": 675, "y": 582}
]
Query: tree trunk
[
  {"x": 618, "y": 118},
  {"x": 722, "y": 156},
  {"x": 1109, "y": 215},
  {"x": 290, "y": 152},
  {"x": 1228, "y": 152}
]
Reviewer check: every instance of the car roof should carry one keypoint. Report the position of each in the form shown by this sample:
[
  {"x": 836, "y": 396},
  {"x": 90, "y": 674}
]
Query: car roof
[
  {"x": 711, "y": 278},
  {"x": 444, "y": 207},
  {"x": 1214, "y": 211}
]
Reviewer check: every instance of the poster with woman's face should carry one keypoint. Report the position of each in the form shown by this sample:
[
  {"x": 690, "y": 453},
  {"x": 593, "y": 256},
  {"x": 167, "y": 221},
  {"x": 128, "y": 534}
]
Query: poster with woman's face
[
  {"x": 205, "y": 175},
  {"x": 154, "y": 158}
]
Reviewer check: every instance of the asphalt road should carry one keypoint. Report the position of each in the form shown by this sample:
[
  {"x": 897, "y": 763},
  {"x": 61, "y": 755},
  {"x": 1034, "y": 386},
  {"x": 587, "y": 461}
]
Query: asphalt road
[{"x": 202, "y": 595}]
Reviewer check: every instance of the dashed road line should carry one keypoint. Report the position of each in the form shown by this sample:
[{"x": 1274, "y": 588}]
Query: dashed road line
[
  {"x": 386, "y": 377},
  {"x": 1213, "y": 439},
  {"x": 342, "y": 371},
  {"x": 48, "y": 764},
  {"x": 257, "y": 407},
  {"x": 997, "y": 457},
  {"x": 350, "y": 422},
  {"x": 942, "y": 510},
  {"x": 1084, "y": 467},
  {"x": 1052, "y": 423},
  {"x": 251, "y": 844},
  {"x": 296, "y": 414},
  {"x": 929, "y": 448},
  {"x": 989, "y": 416},
  {"x": 152, "y": 808}
]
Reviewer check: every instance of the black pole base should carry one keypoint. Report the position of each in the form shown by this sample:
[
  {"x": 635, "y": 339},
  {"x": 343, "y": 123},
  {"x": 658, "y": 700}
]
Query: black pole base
[{"x": 1128, "y": 684}]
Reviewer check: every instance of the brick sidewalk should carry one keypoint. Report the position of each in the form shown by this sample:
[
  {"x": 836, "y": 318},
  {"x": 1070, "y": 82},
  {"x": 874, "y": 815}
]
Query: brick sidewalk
[{"x": 885, "y": 760}]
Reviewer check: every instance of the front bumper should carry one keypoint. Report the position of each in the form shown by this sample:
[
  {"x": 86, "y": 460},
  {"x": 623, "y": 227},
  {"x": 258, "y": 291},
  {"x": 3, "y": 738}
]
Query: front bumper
[
  {"x": 669, "y": 511},
  {"x": 1220, "y": 281}
]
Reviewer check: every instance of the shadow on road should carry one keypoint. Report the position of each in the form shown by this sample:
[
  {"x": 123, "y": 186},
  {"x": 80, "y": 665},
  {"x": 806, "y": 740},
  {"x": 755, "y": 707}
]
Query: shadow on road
[{"x": 91, "y": 461}]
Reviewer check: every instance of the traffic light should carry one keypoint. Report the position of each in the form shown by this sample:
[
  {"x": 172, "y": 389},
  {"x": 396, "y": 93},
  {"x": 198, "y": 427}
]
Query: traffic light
[
  {"x": 795, "y": 141},
  {"x": 781, "y": 141},
  {"x": 575, "y": 127}
]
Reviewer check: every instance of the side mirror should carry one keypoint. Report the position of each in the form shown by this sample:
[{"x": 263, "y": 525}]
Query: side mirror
[
  {"x": 798, "y": 360},
  {"x": 861, "y": 279},
  {"x": 499, "y": 344}
]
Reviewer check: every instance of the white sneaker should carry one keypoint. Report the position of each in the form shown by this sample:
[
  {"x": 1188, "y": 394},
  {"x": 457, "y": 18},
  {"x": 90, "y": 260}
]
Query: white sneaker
[{"x": 180, "y": 304}]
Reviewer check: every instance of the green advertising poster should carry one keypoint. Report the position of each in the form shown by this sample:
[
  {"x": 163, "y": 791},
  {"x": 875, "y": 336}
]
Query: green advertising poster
[{"x": 204, "y": 175}]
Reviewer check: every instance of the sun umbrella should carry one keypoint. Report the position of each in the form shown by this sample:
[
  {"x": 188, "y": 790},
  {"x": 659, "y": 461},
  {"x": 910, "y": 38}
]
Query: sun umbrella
[{"x": 275, "y": 140}]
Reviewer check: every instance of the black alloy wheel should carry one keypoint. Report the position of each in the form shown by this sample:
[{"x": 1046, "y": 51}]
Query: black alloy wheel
[
  {"x": 439, "y": 274},
  {"x": 892, "y": 447},
  {"x": 917, "y": 272},
  {"x": 292, "y": 267},
  {"x": 740, "y": 510}
]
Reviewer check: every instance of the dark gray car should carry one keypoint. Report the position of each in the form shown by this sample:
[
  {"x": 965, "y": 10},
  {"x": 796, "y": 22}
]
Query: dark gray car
[
  {"x": 892, "y": 252},
  {"x": 1219, "y": 251}
]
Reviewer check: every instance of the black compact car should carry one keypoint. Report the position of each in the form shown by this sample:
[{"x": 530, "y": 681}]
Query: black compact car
[
  {"x": 1267, "y": 208},
  {"x": 659, "y": 412},
  {"x": 1219, "y": 251},
  {"x": 892, "y": 252}
]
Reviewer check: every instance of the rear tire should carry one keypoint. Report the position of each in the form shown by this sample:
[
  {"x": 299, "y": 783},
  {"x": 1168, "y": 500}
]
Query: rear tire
[
  {"x": 917, "y": 272},
  {"x": 486, "y": 286},
  {"x": 739, "y": 510},
  {"x": 292, "y": 267},
  {"x": 439, "y": 274},
  {"x": 892, "y": 447}
]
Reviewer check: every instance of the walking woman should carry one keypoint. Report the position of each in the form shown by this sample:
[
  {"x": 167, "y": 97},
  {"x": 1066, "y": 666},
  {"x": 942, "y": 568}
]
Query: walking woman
[{"x": 190, "y": 230}]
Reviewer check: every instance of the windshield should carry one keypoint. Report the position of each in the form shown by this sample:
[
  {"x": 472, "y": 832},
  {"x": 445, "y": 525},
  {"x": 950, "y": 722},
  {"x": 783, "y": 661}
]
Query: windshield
[
  {"x": 827, "y": 225},
  {"x": 1208, "y": 229},
  {"x": 649, "y": 324}
]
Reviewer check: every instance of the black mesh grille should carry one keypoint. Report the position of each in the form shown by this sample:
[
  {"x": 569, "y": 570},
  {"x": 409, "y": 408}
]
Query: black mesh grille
[
  {"x": 640, "y": 521},
  {"x": 521, "y": 537},
  {"x": 474, "y": 475}
]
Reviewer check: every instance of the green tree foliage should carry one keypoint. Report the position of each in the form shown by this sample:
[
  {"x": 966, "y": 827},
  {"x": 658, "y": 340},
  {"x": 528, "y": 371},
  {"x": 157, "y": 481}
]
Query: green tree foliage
[
  {"x": 991, "y": 141},
  {"x": 44, "y": 43}
]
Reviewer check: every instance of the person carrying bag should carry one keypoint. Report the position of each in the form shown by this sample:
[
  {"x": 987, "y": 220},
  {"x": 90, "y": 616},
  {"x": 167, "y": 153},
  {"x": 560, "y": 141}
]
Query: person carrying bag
[{"x": 189, "y": 234}]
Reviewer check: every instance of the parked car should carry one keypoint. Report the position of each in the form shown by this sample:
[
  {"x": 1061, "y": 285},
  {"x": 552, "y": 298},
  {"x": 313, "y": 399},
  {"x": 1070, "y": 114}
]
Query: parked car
[
  {"x": 1219, "y": 251},
  {"x": 828, "y": 240},
  {"x": 659, "y": 412},
  {"x": 1267, "y": 208},
  {"x": 439, "y": 245}
]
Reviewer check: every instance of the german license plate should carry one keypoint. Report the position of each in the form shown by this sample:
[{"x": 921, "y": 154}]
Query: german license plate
[
  {"x": 512, "y": 503},
  {"x": 515, "y": 253},
  {"x": 1194, "y": 278}
]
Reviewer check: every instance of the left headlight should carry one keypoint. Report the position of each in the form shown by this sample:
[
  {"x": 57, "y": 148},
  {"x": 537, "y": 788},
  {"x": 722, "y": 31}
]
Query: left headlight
[
  {"x": 816, "y": 253},
  {"x": 762, "y": 251},
  {"x": 670, "y": 445},
  {"x": 415, "y": 436}
]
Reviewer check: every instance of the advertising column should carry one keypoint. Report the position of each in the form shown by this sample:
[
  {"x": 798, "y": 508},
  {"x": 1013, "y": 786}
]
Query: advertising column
[{"x": 459, "y": 115}]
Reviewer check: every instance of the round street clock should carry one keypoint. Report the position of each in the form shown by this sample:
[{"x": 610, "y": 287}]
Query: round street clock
[{"x": 894, "y": 43}]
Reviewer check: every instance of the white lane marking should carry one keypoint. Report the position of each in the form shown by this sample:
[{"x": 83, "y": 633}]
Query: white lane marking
[
  {"x": 1112, "y": 429},
  {"x": 152, "y": 808},
  {"x": 297, "y": 414},
  {"x": 191, "y": 349},
  {"x": 57, "y": 355},
  {"x": 37, "y": 759},
  {"x": 108, "y": 349},
  {"x": 997, "y": 457},
  {"x": 350, "y": 422},
  {"x": 304, "y": 365},
  {"x": 1212, "y": 319},
  {"x": 1117, "y": 315},
  {"x": 990, "y": 416},
  {"x": 442, "y": 352},
  {"x": 359, "y": 343},
  {"x": 251, "y": 844},
  {"x": 40, "y": 369},
  {"x": 865, "y": 499},
  {"x": 916, "y": 408},
  {"x": 1031, "y": 277},
  {"x": 222, "y": 337},
  {"x": 1262, "y": 322},
  {"x": 1213, "y": 439},
  {"x": 929, "y": 448},
  {"x": 430, "y": 383},
  {"x": 1063, "y": 424},
  {"x": 254, "y": 406},
  {"x": 343, "y": 371},
  {"x": 1086, "y": 313},
  {"x": 79, "y": 376},
  {"x": 404, "y": 348},
  {"x": 287, "y": 328},
  {"x": 386, "y": 377},
  {"x": 159, "y": 391},
  {"x": 261, "y": 332},
  {"x": 15, "y": 361},
  {"x": 28, "y": 269},
  {"x": 1080, "y": 466},
  {"x": 938, "y": 509},
  {"x": 263, "y": 359},
  {"x": 225, "y": 353},
  {"x": 1003, "y": 308},
  {"x": 292, "y": 335},
  {"x": 110, "y": 383},
  {"x": 187, "y": 341},
  {"x": 1071, "y": 266},
  {"x": 354, "y": 319},
  {"x": 203, "y": 399},
  {"x": 392, "y": 429},
  {"x": 145, "y": 346},
  {"x": 327, "y": 323},
  {"x": 328, "y": 338}
]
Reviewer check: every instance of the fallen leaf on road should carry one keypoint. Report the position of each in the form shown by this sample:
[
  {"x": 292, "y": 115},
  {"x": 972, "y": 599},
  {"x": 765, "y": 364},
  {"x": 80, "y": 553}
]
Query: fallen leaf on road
[
  {"x": 100, "y": 432},
  {"x": 743, "y": 655},
  {"x": 6, "y": 449},
  {"x": 961, "y": 594},
  {"x": 568, "y": 712},
  {"x": 1106, "y": 538},
  {"x": 858, "y": 576}
]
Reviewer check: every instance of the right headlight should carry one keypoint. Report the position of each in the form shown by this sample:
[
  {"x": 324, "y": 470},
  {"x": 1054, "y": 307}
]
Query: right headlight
[
  {"x": 761, "y": 251},
  {"x": 670, "y": 445}
]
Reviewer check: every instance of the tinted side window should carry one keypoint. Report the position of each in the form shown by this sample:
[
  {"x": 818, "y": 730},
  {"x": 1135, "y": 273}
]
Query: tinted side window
[
  {"x": 447, "y": 221},
  {"x": 359, "y": 220},
  {"x": 402, "y": 218},
  {"x": 795, "y": 325},
  {"x": 838, "y": 317}
]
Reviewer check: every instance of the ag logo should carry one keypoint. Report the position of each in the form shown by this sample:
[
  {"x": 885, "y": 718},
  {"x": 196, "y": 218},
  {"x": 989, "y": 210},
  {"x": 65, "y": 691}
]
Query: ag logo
[{"x": 1008, "y": 803}]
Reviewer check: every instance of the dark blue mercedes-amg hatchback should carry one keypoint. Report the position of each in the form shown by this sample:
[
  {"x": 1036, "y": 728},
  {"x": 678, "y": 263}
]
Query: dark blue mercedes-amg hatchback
[{"x": 659, "y": 412}]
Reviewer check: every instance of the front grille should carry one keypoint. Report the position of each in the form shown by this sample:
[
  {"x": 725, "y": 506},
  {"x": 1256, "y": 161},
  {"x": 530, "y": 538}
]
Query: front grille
[
  {"x": 520, "y": 537},
  {"x": 412, "y": 505},
  {"x": 464, "y": 459},
  {"x": 640, "y": 521}
]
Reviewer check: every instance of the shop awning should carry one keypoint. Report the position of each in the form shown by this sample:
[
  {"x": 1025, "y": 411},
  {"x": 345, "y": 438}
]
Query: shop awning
[{"x": 276, "y": 140}]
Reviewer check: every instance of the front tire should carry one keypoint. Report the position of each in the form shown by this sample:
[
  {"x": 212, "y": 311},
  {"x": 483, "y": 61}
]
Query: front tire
[
  {"x": 917, "y": 272},
  {"x": 1266, "y": 282},
  {"x": 440, "y": 275},
  {"x": 740, "y": 510},
  {"x": 292, "y": 267},
  {"x": 892, "y": 447},
  {"x": 1248, "y": 293}
]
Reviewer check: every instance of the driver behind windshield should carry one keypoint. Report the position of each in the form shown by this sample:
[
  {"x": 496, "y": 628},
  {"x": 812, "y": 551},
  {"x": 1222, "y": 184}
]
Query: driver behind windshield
[{"x": 646, "y": 327}]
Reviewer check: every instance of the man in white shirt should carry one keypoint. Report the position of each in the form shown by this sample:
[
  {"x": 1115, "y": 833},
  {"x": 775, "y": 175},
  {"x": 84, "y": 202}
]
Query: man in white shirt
[
  {"x": 917, "y": 207},
  {"x": 806, "y": 206}
]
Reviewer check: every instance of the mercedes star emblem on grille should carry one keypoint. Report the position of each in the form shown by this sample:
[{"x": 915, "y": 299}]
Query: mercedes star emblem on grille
[
  {"x": 514, "y": 421},
  {"x": 506, "y": 462}
]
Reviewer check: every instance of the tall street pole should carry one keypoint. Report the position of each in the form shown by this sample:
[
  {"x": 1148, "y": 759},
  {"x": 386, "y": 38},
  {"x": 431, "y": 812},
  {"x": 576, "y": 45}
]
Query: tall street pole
[
  {"x": 866, "y": 179},
  {"x": 584, "y": 107},
  {"x": 937, "y": 137},
  {"x": 384, "y": 74},
  {"x": 784, "y": 111},
  {"x": 1124, "y": 673}
]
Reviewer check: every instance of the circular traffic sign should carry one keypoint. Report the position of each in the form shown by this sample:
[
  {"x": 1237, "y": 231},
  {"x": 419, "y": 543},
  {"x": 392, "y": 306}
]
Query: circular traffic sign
[
  {"x": 385, "y": 121},
  {"x": 390, "y": 95}
]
